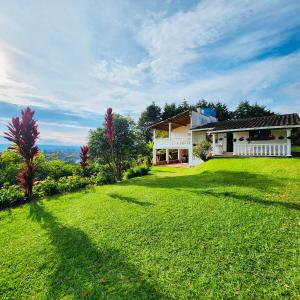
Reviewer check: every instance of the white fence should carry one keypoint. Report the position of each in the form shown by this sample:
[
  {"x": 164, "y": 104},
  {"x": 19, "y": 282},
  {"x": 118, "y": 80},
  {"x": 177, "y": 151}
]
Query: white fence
[
  {"x": 173, "y": 142},
  {"x": 262, "y": 149}
]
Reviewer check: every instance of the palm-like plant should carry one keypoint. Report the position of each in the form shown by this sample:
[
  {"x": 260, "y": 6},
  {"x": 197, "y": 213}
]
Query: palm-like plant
[
  {"x": 84, "y": 156},
  {"x": 23, "y": 133}
]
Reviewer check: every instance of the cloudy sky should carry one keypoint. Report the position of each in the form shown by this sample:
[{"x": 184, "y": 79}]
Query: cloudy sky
[{"x": 70, "y": 60}]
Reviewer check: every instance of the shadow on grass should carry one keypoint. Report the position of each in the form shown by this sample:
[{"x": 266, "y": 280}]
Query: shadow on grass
[
  {"x": 205, "y": 182},
  {"x": 130, "y": 200},
  {"x": 247, "y": 198},
  {"x": 81, "y": 269}
]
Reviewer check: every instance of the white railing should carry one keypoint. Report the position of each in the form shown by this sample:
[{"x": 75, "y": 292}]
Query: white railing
[
  {"x": 261, "y": 149},
  {"x": 166, "y": 142}
]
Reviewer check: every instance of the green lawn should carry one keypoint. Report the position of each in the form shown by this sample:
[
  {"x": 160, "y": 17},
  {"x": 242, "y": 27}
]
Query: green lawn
[
  {"x": 296, "y": 148},
  {"x": 229, "y": 228}
]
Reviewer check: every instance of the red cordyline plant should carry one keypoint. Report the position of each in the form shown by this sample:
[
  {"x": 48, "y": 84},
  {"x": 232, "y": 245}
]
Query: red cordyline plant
[
  {"x": 109, "y": 126},
  {"x": 23, "y": 133},
  {"x": 84, "y": 156}
]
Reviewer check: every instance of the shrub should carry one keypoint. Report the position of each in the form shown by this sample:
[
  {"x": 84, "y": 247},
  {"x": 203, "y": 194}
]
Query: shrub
[
  {"x": 104, "y": 176},
  {"x": 72, "y": 183},
  {"x": 47, "y": 187},
  {"x": 136, "y": 172},
  {"x": 201, "y": 150},
  {"x": 56, "y": 169},
  {"x": 10, "y": 195}
]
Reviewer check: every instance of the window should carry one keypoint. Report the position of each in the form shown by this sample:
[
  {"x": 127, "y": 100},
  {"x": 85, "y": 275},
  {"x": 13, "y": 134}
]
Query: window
[{"x": 259, "y": 135}]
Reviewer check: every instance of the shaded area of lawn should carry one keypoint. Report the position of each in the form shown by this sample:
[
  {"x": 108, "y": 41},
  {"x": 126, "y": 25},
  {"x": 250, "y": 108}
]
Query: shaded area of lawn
[
  {"x": 84, "y": 270},
  {"x": 217, "y": 183}
]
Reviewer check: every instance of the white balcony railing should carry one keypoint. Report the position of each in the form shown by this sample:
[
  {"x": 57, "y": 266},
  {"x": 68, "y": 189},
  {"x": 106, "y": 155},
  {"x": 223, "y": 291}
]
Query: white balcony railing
[
  {"x": 262, "y": 149},
  {"x": 172, "y": 142}
]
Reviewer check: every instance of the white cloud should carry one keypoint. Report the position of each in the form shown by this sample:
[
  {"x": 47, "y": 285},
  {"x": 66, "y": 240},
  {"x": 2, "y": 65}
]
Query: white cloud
[
  {"x": 120, "y": 73},
  {"x": 184, "y": 37}
]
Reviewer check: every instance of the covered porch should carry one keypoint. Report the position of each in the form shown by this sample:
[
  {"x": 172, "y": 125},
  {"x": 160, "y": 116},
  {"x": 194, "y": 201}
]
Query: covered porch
[
  {"x": 170, "y": 156},
  {"x": 255, "y": 142}
]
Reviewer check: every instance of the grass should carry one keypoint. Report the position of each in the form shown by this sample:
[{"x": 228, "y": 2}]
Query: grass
[
  {"x": 229, "y": 228},
  {"x": 295, "y": 148}
]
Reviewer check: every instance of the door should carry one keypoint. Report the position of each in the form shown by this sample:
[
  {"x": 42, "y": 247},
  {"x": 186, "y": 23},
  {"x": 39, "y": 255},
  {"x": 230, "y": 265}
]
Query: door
[{"x": 229, "y": 142}]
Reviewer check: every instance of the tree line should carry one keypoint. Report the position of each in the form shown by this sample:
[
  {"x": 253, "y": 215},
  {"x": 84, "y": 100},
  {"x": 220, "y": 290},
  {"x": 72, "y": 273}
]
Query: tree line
[{"x": 155, "y": 113}]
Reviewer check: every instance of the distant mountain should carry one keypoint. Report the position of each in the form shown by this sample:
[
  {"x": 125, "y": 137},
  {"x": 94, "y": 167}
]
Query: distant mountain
[
  {"x": 67, "y": 153},
  {"x": 51, "y": 148}
]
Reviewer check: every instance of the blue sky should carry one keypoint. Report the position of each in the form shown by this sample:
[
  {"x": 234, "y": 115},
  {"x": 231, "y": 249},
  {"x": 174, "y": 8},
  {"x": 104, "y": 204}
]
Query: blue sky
[{"x": 70, "y": 60}]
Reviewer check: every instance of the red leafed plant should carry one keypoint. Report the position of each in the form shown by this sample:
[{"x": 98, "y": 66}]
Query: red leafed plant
[
  {"x": 23, "y": 133},
  {"x": 109, "y": 126},
  {"x": 84, "y": 156}
]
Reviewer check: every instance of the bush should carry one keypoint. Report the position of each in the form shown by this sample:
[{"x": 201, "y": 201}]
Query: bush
[
  {"x": 201, "y": 150},
  {"x": 72, "y": 183},
  {"x": 104, "y": 176},
  {"x": 136, "y": 172},
  {"x": 10, "y": 195},
  {"x": 47, "y": 187},
  {"x": 55, "y": 169}
]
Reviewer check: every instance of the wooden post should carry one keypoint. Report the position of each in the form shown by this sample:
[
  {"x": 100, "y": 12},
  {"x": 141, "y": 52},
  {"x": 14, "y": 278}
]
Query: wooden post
[{"x": 289, "y": 142}]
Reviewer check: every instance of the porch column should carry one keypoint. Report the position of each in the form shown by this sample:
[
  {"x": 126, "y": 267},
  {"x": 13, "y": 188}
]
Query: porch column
[
  {"x": 154, "y": 134},
  {"x": 289, "y": 142},
  {"x": 179, "y": 155},
  {"x": 154, "y": 157},
  {"x": 167, "y": 155},
  {"x": 170, "y": 129},
  {"x": 214, "y": 143}
]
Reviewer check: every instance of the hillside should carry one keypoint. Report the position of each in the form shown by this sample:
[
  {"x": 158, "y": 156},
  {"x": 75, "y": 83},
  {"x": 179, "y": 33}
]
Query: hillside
[{"x": 228, "y": 228}]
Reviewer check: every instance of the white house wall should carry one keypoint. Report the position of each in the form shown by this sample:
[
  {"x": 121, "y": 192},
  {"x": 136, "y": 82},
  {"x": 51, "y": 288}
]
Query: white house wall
[
  {"x": 182, "y": 131},
  {"x": 275, "y": 132},
  {"x": 199, "y": 136}
]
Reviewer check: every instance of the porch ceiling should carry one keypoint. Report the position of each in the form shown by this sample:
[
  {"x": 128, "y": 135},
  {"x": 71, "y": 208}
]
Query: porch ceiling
[{"x": 179, "y": 120}]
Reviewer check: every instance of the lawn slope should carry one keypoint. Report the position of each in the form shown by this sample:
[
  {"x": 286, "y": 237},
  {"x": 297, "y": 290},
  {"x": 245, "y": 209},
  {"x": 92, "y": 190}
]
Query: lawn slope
[{"x": 229, "y": 228}]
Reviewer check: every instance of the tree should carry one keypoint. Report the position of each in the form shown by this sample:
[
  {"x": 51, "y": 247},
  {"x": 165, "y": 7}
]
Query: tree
[
  {"x": 124, "y": 148},
  {"x": 222, "y": 111},
  {"x": 23, "y": 133},
  {"x": 150, "y": 115},
  {"x": 169, "y": 110},
  {"x": 84, "y": 156},
  {"x": 248, "y": 110}
]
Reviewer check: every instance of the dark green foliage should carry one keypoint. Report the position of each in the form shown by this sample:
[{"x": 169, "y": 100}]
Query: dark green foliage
[
  {"x": 10, "y": 195},
  {"x": 247, "y": 110},
  {"x": 104, "y": 176},
  {"x": 126, "y": 146},
  {"x": 136, "y": 172},
  {"x": 150, "y": 115},
  {"x": 55, "y": 169},
  {"x": 49, "y": 186},
  {"x": 10, "y": 167}
]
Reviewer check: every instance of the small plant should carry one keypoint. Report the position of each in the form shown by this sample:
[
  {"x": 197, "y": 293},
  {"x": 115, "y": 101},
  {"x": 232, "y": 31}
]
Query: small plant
[
  {"x": 202, "y": 150},
  {"x": 281, "y": 137},
  {"x": 136, "y": 172},
  {"x": 23, "y": 133},
  {"x": 84, "y": 158},
  {"x": 10, "y": 195},
  {"x": 241, "y": 139}
]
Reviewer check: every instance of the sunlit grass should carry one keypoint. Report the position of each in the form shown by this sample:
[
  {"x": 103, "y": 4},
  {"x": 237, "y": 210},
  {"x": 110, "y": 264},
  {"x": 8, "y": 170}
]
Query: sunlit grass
[{"x": 228, "y": 228}]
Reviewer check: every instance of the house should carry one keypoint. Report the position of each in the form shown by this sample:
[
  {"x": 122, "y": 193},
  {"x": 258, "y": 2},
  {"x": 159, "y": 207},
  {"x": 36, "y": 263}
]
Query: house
[{"x": 260, "y": 136}]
